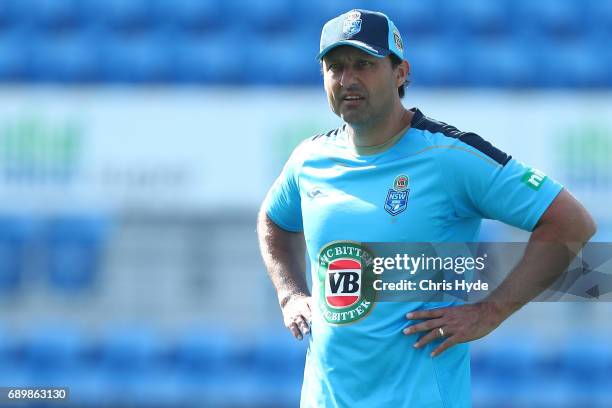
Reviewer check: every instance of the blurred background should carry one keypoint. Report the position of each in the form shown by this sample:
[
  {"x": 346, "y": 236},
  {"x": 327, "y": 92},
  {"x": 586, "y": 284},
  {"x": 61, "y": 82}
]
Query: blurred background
[{"x": 138, "y": 138}]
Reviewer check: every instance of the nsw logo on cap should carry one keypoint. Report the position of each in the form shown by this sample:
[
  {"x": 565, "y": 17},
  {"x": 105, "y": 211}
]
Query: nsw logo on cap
[
  {"x": 352, "y": 24},
  {"x": 398, "y": 40}
]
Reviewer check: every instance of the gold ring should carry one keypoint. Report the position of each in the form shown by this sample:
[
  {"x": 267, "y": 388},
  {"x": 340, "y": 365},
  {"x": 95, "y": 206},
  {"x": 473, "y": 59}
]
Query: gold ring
[{"x": 441, "y": 332}]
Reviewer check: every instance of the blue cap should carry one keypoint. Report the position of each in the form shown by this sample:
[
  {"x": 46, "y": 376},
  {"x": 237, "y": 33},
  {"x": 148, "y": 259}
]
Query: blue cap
[{"x": 370, "y": 31}]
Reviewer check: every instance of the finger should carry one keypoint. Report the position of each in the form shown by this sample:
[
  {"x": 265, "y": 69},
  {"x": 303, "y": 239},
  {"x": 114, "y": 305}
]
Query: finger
[
  {"x": 295, "y": 331},
  {"x": 428, "y": 338},
  {"x": 449, "y": 342},
  {"x": 307, "y": 313},
  {"x": 426, "y": 314},
  {"x": 303, "y": 324},
  {"x": 423, "y": 326}
]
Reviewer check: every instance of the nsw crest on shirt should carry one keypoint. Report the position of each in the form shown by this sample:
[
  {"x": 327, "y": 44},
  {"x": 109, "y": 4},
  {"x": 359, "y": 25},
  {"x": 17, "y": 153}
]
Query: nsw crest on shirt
[{"x": 397, "y": 197}]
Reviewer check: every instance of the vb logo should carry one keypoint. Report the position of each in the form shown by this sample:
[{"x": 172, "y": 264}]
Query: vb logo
[
  {"x": 345, "y": 282},
  {"x": 342, "y": 286}
]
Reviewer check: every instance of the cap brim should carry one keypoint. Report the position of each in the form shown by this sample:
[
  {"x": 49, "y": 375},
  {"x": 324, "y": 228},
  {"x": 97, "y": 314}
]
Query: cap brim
[{"x": 372, "y": 50}]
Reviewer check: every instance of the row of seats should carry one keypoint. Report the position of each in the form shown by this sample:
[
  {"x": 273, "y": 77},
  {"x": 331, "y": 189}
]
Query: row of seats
[
  {"x": 524, "y": 44},
  {"x": 68, "y": 250},
  {"x": 525, "y": 372},
  {"x": 136, "y": 364},
  {"x": 290, "y": 60},
  {"x": 552, "y": 16}
]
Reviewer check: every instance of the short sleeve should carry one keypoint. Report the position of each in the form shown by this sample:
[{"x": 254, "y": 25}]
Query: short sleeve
[
  {"x": 283, "y": 202},
  {"x": 487, "y": 183}
]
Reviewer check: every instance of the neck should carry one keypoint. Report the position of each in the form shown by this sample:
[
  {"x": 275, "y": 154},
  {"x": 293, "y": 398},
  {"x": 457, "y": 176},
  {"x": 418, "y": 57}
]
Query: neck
[{"x": 374, "y": 134}]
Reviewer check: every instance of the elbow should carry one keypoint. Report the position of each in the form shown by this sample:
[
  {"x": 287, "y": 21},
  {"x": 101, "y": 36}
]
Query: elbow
[
  {"x": 582, "y": 228},
  {"x": 590, "y": 227},
  {"x": 566, "y": 220},
  {"x": 261, "y": 223},
  {"x": 576, "y": 227}
]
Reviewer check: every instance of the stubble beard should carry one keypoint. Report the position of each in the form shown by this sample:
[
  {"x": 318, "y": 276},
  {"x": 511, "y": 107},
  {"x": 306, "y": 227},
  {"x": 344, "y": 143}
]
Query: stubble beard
[{"x": 356, "y": 116}]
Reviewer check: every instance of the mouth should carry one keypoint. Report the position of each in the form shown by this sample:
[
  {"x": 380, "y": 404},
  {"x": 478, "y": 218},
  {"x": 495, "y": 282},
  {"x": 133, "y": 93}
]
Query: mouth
[{"x": 353, "y": 99}]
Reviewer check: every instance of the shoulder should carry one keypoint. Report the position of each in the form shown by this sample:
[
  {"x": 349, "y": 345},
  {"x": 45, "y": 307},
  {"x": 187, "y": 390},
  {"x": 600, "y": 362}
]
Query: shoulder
[
  {"x": 442, "y": 135},
  {"x": 314, "y": 146},
  {"x": 330, "y": 136}
]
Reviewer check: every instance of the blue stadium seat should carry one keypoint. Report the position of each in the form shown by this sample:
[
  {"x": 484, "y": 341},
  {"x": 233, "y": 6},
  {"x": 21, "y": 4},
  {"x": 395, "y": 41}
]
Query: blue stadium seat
[
  {"x": 315, "y": 13},
  {"x": 586, "y": 364},
  {"x": 203, "y": 350},
  {"x": 17, "y": 234},
  {"x": 474, "y": 18},
  {"x": 210, "y": 361},
  {"x": 16, "y": 14},
  {"x": 279, "y": 364},
  {"x": 120, "y": 15},
  {"x": 12, "y": 370},
  {"x": 435, "y": 62},
  {"x": 55, "y": 14},
  {"x": 599, "y": 16},
  {"x": 67, "y": 58},
  {"x": 513, "y": 360},
  {"x": 138, "y": 57},
  {"x": 552, "y": 18},
  {"x": 51, "y": 353},
  {"x": 278, "y": 354},
  {"x": 216, "y": 58},
  {"x": 272, "y": 16},
  {"x": 7, "y": 14},
  {"x": 285, "y": 60},
  {"x": 14, "y": 55},
  {"x": 159, "y": 388},
  {"x": 125, "y": 355},
  {"x": 507, "y": 371},
  {"x": 498, "y": 64},
  {"x": 587, "y": 361},
  {"x": 416, "y": 21},
  {"x": 75, "y": 245},
  {"x": 126, "y": 349},
  {"x": 201, "y": 16},
  {"x": 588, "y": 67},
  {"x": 572, "y": 65}
]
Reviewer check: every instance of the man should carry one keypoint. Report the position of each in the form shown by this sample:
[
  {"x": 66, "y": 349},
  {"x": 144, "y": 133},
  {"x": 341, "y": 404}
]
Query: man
[{"x": 335, "y": 191}]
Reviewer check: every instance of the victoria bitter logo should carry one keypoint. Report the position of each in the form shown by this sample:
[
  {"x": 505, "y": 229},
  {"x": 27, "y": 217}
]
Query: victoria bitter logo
[{"x": 345, "y": 282}]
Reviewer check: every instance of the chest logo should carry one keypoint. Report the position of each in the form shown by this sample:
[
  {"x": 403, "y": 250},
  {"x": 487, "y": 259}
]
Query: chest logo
[
  {"x": 345, "y": 282},
  {"x": 397, "y": 197}
]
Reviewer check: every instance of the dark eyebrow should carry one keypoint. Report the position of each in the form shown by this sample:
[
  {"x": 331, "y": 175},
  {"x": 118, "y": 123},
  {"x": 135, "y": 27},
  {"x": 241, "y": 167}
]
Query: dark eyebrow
[
  {"x": 335, "y": 60},
  {"x": 331, "y": 61}
]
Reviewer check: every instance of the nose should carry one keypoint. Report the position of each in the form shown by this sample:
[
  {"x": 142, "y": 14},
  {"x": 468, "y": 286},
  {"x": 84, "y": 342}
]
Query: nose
[{"x": 348, "y": 77}]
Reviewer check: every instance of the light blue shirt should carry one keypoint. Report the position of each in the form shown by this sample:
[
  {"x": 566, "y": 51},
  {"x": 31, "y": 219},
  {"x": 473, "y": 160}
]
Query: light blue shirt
[{"x": 435, "y": 184}]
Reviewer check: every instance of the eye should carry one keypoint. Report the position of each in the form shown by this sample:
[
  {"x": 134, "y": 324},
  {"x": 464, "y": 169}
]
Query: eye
[{"x": 334, "y": 67}]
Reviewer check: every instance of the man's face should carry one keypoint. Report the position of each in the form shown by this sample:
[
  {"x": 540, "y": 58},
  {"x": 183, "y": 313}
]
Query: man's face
[{"x": 360, "y": 88}]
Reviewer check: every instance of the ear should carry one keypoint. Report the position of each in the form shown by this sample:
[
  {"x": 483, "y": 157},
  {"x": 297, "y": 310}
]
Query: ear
[{"x": 402, "y": 71}]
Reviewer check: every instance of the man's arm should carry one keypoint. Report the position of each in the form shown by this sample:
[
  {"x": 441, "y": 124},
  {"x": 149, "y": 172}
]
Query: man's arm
[
  {"x": 283, "y": 253},
  {"x": 562, "y": 230}
]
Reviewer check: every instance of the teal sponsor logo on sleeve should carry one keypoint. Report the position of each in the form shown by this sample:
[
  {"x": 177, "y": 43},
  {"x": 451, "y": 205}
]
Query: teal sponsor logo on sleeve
[{"x": 534, "y": 178}]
